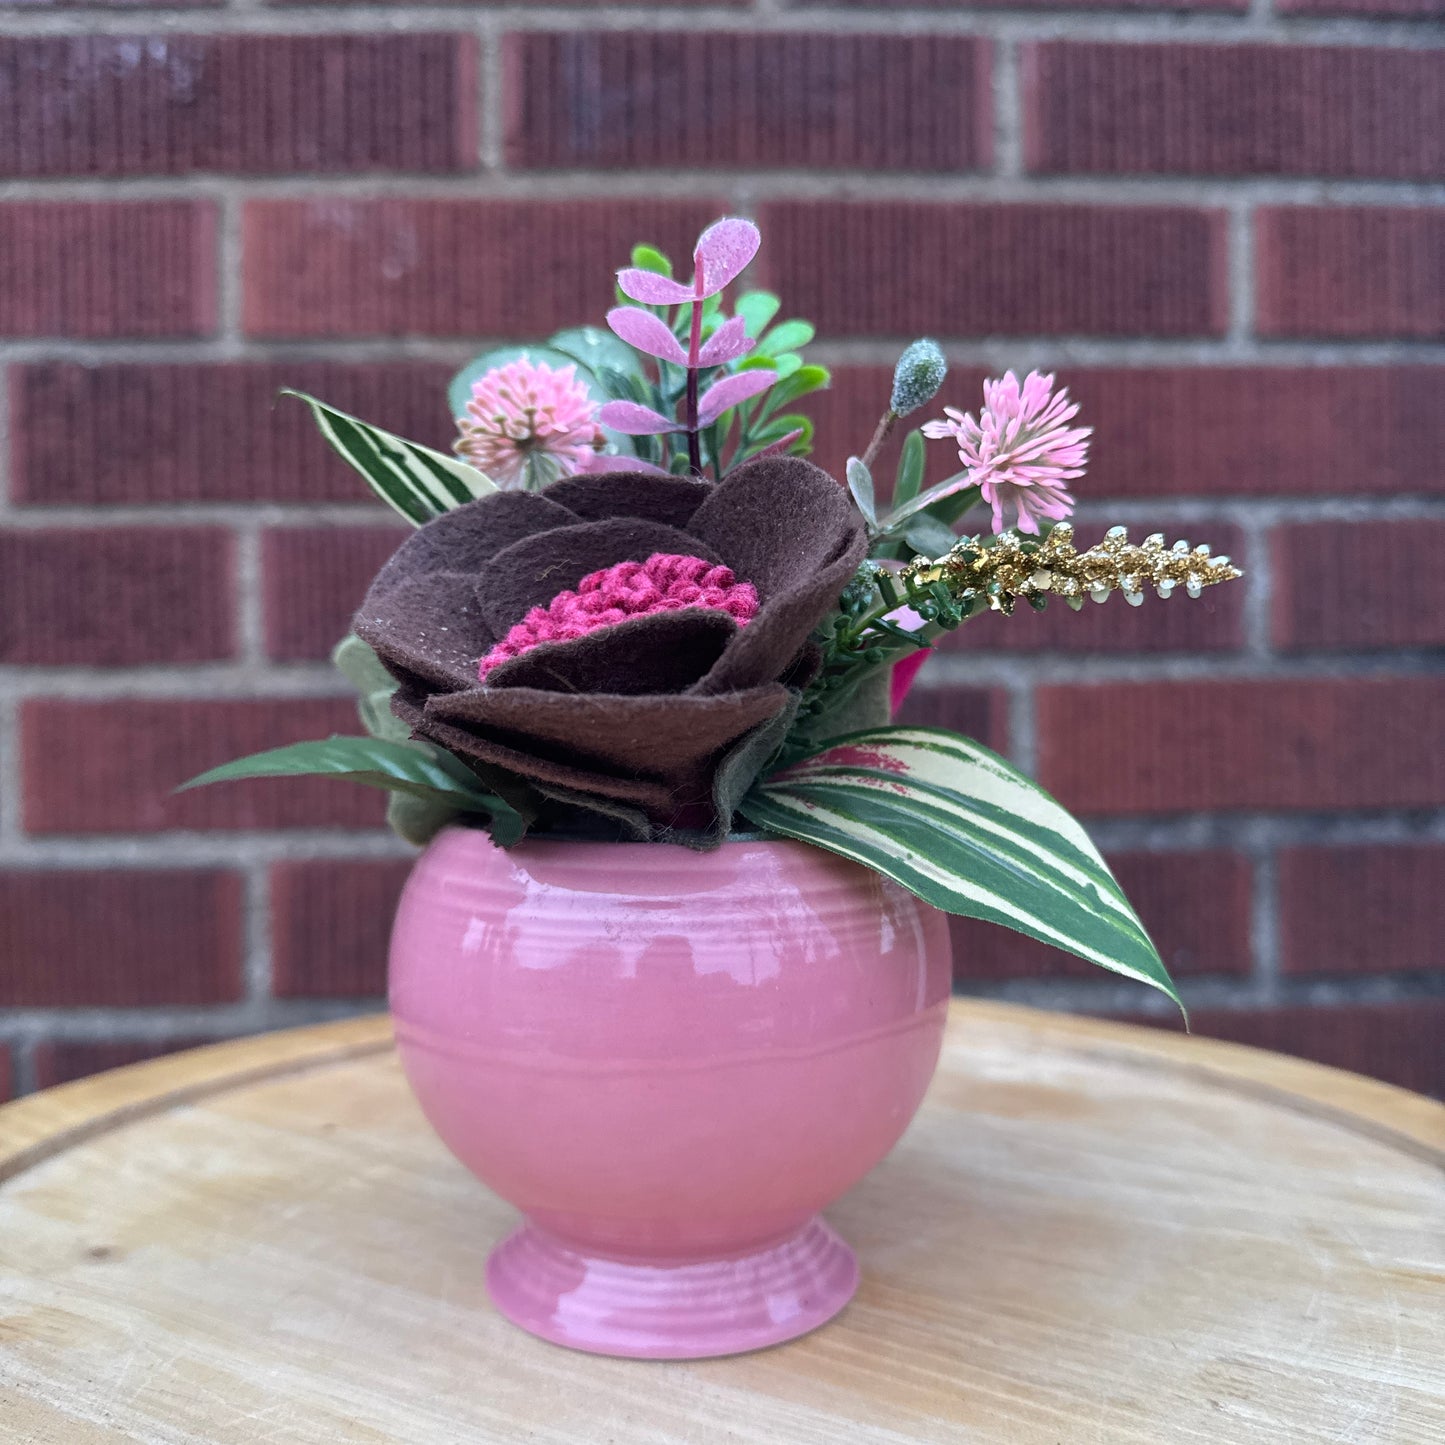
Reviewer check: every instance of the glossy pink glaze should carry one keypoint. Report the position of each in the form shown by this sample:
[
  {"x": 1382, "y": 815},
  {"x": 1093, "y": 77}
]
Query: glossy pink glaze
[{"x": 669, "y": 1061}]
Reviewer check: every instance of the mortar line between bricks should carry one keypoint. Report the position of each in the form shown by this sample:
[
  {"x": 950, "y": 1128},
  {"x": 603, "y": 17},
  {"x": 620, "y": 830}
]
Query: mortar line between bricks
[
  {"x": 117, "y": 852},
  {"x": 257, "y": 967},
  {"x": 229, "y": 267},
  {"x": 1264, "y": 930},
  {"x": 1100, "y": 511},
  {"x": 491, "y": 121},
  {"x": 248, "y": 597},
  {"x": 24, "y": 1076},
  {"x": 11, "y": 834},
  {"x": 1022, "y": 350},
  {"x": 5, "y": 425},
  {"x": 1239, "y": 238},
  {"x": 1079, "y": 23},
  {"x": 1008, "y": 112},
  {"x": 1113, "y": 191},
  {"x": 1257, "y": 563}
]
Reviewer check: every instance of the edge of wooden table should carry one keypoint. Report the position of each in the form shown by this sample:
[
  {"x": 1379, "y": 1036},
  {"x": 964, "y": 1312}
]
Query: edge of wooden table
[{"x": 42, "y": 1125}]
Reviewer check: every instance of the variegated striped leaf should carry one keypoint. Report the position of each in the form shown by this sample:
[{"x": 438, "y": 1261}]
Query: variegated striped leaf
[
  {"x": 955, "y": 824},
  {"x": 418, "y": 482}
]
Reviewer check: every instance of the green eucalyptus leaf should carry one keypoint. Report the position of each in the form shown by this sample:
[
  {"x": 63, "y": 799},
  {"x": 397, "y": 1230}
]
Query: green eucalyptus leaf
[
  {"x": 957, "y": 825},
  {"x": 757, "y": 308},
  {"x": 649, "y": 258},
  {"x": 927, "y": 535},
  {"x": 910, "y": 469},
  {"x": 802, "y": 382},
  {"x": 787, "y": 336},
  {"x": 594, "y": 350},
  {"x": 860, "y": 484}
]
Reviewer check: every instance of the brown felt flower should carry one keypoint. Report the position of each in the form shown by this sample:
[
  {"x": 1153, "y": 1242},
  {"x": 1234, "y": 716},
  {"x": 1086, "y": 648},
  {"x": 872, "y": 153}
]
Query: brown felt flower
[{"x": 641, "y": 713}]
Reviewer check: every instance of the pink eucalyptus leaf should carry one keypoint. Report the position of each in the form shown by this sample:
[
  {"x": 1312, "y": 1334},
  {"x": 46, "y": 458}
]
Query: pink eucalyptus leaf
[
  {"x": 723, "y": 250},
  {"x": 634, "y": 420},
  {"x": 727, "y": 343},
  {"x": 728, "y": 392},
  {"x": 780, "y": 446},
  {"x": 604, "y": 462},
  {"x": 647, "y": 332},
  {"x": 652, "y": 289}
]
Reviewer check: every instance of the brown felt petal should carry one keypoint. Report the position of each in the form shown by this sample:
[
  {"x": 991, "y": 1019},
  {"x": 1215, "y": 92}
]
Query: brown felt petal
[
  {"x": 653, "y": 797},
  {"x": 672, "y": 500},
  {"x": 428, "y": 627},
  {"x": 663, "y": 737},
  {"x": 665, "y": 652},
  {"x": 467, "y": 537},
  {"x": 794, "y": 533},
  {"x": 530, "y": 573}
]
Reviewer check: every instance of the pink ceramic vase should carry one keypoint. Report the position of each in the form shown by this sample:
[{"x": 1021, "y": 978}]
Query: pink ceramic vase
[{"x": 669, "y": 1061}]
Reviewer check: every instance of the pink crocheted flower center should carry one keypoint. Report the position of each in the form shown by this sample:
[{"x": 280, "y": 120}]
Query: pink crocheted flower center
[{"x": 665, "y": 582}]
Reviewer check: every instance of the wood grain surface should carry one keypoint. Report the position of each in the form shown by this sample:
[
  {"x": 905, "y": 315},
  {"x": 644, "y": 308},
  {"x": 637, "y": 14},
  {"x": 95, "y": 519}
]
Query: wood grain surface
[{"x": 1092, "y": 1233}]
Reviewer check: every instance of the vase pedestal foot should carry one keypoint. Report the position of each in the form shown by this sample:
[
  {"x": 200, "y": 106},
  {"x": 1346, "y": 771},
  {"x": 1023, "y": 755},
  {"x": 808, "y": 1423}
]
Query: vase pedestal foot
[{"x": 671, "y": 1311}]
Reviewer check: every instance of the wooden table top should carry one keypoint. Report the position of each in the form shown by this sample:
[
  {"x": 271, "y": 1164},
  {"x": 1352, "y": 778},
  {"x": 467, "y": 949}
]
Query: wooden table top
[{"x": 1092, "y": 1233}]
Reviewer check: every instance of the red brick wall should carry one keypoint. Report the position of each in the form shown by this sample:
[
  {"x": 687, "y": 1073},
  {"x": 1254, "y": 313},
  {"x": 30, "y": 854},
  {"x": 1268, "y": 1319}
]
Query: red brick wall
[{"x": 1224, "y": 220}]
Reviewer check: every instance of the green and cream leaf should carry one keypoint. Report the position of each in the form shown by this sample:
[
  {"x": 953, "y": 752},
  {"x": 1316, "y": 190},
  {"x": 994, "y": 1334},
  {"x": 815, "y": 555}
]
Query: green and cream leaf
[
  {"x": 954, "y": 823},
  {"x": 414, "y": 480}
]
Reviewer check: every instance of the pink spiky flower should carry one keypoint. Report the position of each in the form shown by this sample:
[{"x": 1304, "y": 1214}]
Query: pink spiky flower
[
  {"x": 1021, "y": 451},
  {"x": 526, "y": 425}
]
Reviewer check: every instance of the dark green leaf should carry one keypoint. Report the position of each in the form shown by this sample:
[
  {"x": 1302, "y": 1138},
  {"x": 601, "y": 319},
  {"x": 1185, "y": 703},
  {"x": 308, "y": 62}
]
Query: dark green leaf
[
  {"x": 757, "y": 308},
  {"x": 910, "y": 469}
]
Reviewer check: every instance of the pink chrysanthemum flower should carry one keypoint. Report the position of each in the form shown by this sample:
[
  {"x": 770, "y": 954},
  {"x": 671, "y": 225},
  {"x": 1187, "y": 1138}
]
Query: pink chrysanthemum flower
[
  {"x": 1021, "y": 451},
  {"x": 665, "y": 582},
  {"x": 526, "y": 425}
]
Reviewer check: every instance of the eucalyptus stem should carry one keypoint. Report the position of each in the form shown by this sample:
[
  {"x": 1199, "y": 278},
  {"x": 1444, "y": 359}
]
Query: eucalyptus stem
[{"x": 881, "y": 432}]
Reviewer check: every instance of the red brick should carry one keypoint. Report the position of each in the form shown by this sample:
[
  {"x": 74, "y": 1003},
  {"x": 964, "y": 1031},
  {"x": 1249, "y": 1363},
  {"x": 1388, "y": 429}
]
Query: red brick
[
  {"x": 1174, "y": 747},
  {"x": 1405, "y": 9},
  {"x": 898, "y": 268},
  {"x": 117, "y": 598},
  {"x": 393, "y": 267},
  {"x": 1350, "y": 271},
  {"x": 1234, "y": 110},
  {"x": 146, "y": 434},
  {"x": 1389, "y": 596},
  {"x": 976, "y": 712},
  {"x": 1368, "y": 909},
  {"x": 1211, "y": 623},
  {"x": 315, "y": 579},
  {"x": 110, "y": 767},
  {"x": 1196, "y": 907},
  {"x": 107, "y": 269},
  {"x": 171, "y": 104},
  {"x": 331, "y": 922},
  {"x": 711, "y": 100},
  {"x": 58, "y": 1061},
  {"x": 119, "y": 938},
  {"x": 1397, "y": 1042}
]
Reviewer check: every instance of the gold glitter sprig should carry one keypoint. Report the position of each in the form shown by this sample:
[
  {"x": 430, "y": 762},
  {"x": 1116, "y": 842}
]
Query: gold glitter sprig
[{"x": 1011, "y": 567}]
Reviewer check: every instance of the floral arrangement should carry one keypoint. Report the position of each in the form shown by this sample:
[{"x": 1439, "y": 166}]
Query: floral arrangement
[{"x": 633, "y": 609}]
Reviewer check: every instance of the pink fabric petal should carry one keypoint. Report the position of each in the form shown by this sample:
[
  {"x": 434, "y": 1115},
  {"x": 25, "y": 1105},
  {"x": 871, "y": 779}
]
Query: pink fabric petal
[
  {"x": 728, "y": 392},
  {"x": 727, "y": 343},
  {"x": 647, "y": 332},
  {"x": 652, "y": 289},
  {"x": 634, "y": 420},
  {"x": 904, "y": 673},
  {"x": 723, "y": 250}
]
